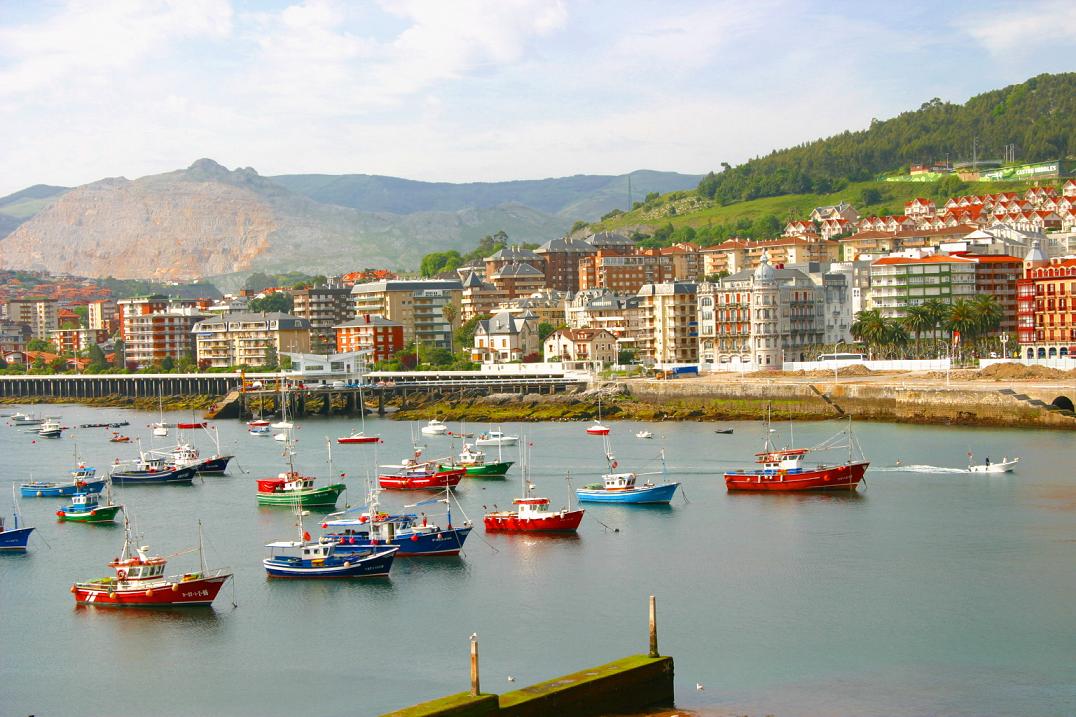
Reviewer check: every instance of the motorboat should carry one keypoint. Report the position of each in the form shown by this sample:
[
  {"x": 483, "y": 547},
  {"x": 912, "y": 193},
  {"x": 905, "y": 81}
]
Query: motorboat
[
  {"x": 50, "y": 428},
  {"x": 644, "y": 434},
  {"x": 435, "y": 427},
  {"x": 496, "y": 438},
  {"x": 1005, "y": 465}
]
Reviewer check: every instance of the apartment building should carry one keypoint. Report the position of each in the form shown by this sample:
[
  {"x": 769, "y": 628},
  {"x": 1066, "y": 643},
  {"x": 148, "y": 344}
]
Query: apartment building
[
  {"x": 103, "y": 315},
  {"x": 73, "y": 340},
  {"x": 248, "y": 339},
  {"x": 420, "y": 306},
  {"x": 375, "y": 334},
  {"x": 669, "y": 331},
  {"x": 155, "y": 327},
  {"x": 898, "y": 282},
  {"x": 1046, "y": 306},
  {"x": 13, "y": 337},
  {"x": 513, "y": 255},
  {"x": 622, "y": 271},
  {"x": 561, "y": 257},
  {"x": 760, "y": 318},
  {"x": 40, "y": 314},
  {"x": 324, "y": 308},
  {"x": 997, "y": 275}
]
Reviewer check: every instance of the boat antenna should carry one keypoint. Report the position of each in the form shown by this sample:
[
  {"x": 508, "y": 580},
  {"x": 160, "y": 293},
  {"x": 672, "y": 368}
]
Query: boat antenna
[
  {"x": 568, "y": 478},
  {"x": 201, "y": 552}
]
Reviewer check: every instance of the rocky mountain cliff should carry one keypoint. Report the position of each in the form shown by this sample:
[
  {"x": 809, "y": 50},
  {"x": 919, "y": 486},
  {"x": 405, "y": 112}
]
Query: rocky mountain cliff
[{"x": 207, "y": 221}]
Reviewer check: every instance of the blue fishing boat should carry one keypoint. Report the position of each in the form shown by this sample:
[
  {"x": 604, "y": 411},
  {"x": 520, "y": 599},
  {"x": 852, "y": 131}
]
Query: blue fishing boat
[
  {"x": 150, "y": 470},
  {"x": 319, "y": 559},
  {"x": 83, "y": 480},
  {"x": 14, "y": 537},
  {"x": 415, "y": 535},
  {"x": 625, "y": 488}
]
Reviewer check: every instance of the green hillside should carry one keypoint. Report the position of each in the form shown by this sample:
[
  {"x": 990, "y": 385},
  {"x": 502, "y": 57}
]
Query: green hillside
[
  {"x": 764, "y": 218},
  {"x": 1037, "y": 116}
]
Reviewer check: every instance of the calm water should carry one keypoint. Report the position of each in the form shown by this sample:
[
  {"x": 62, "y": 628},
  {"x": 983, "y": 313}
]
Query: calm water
[{"x": 931, "y": 592}]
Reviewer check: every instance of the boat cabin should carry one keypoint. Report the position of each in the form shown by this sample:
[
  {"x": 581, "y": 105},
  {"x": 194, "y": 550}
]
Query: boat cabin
[
  {"x": 139, "y": 568},
  {"x": 618, "y": 481},
  {"x": 285, "y": 482},
  {"x": 83, "y": 473},
  {"x": 786, "y": 461},
  {"x": 469, "y": 456},
  {"x": 83, "y": 501},
  {"x": 293, "y": 550},
  {"x": 531, "y": 507}
]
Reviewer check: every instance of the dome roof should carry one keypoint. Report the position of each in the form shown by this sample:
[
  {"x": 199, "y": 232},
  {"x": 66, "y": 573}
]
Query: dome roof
[{"x": 765, "y": 271}]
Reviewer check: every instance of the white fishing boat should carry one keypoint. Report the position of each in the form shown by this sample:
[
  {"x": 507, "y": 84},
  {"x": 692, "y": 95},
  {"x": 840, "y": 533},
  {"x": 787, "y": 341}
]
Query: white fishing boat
[
  {"x": 1005, "y": 465},
  {"x": 435, "y": 427},
  {"x": 496, "y": 438},
  {"x": 644, "y": 434}
]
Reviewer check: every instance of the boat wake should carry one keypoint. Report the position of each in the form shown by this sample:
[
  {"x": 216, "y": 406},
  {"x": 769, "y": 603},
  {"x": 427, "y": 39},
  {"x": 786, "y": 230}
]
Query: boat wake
[{"x": 917, "y": 468}]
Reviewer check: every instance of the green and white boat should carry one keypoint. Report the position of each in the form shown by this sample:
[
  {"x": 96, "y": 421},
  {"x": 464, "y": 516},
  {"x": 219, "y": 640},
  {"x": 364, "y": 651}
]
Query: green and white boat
[
  {"x": 293, "y": 488},
  {"x": 86, "y": 508},
  {"x": 476, "y": 466}
]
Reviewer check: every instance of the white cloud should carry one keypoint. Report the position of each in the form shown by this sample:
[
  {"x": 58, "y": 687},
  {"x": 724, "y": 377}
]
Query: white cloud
[
  {"x": 1023, "y": 27},
  {"x": 90, "y": 39}
]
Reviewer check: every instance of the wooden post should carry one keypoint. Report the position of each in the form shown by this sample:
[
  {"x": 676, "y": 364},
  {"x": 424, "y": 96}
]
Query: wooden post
[
  {"x": 474, "y": 667},
  {"x": 653, "y": 628}
]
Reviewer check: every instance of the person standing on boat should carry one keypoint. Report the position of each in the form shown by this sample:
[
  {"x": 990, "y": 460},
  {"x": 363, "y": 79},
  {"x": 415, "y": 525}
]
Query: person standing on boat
[{"x": 988, "y": 461}]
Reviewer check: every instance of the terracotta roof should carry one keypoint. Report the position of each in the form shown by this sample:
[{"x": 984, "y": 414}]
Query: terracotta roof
[{"x": 933, "y": 259}]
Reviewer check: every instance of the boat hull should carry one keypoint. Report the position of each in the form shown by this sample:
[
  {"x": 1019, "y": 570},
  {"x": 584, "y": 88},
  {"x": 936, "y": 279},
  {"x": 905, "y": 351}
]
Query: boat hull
[
  {"x": 656, "y": 494},
  {"x": 178, "y": 476},
  {"x": 15, "y": 539},
  {"x": 358, "y": 439},
  {"x": 318, "y": 496},
  {"x": 841, "y": 477},
  {"x": 346, "y": 566},
  {"x": 598, "y": 431},
  {"x": 496, "y": 442},
  {"x": 55, "y": 490},
  {"x": 443, "y": 543},
  {"x": 100, "y": 514},
  {"x": 192, "y": 592},
  {"x": 434, "y": 481},
  {"x": 566, "y": 522},
  {"x": 489, "y": 469},
  {"x": 216, "y": 466}
]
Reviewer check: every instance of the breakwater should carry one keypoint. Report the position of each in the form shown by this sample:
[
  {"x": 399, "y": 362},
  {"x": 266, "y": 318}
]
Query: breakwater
[{"x": 703, "y": 400}]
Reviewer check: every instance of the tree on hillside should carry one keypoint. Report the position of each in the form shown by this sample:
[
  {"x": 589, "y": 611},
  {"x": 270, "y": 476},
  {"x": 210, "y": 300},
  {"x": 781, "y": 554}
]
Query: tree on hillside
[
  {"x": 580, "y": 224},
  {"x": 439, "y": 261},
  {"x": 119, "y": 356},
  {"x": 869, "y": 196},
  {"x": 97, "y": 358},
  {"x": 277, "y": 301},
  {"x": 40, "y": 345}
]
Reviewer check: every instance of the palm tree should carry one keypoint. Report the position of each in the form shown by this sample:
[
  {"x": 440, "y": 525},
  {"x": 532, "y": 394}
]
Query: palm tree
[
  {"x": 938, "y": 311},
  {"x": 918, "y": 319},
  {"x": 989, "y": 311},
  {"x": 869, "y": 327}
]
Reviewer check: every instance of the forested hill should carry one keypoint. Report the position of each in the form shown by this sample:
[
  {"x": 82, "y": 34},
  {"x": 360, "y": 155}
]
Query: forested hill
[{"x": 1038, "y": 116}]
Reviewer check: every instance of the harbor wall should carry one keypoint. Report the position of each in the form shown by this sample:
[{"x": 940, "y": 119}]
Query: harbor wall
[{"x": 626, "y": 686}]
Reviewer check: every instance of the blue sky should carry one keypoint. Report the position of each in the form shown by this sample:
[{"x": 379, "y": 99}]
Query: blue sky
[{"x": 464, "y": 90}]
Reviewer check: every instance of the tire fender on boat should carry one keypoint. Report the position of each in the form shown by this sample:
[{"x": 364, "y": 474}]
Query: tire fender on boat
[
  {"x": 347, "y": 563},
  {"x": 149, "y": 592},
  {"x": 121, "y": 574},
  {"x": 175, "y": 587}
]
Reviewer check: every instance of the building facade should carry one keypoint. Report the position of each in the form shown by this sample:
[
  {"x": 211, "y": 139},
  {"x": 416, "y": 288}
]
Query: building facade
[
  {"x": 1046, "y": 307},
  {"x": 623, "y": 272},
  {"x": 323, "y": 308},
  {"x": 561, "y": 258},
  {"x": 669, "y": 331},
  {"x": 249, "y": 339},
  {"x": 592, "y": 348},
  {"x": 422, "y": 307},
  {"x": 377, "y": 335},
  {"x": 41, "y": 315},
  {"x": 760, "y": 318},
  {"x": 898, "y": 282},
  {"x": 505, "y": 337}
]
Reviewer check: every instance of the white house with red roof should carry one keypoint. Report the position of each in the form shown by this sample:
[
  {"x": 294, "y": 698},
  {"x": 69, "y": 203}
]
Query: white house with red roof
[
  {"x": 920, "y": 208},
  {"x": 799, "y": 228},
  {"x": 1068, "y": 189}
]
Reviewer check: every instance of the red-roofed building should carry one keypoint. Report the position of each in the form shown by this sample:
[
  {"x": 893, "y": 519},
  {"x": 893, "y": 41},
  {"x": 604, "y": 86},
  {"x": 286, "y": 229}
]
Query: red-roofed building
[{"x": 1046, "y": 314}]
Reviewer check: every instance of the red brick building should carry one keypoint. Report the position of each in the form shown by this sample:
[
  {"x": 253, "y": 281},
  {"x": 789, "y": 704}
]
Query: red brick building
[{"x": 1046, "y": 308}]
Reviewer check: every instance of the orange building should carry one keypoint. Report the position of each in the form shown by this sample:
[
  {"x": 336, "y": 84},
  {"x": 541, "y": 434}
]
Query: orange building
[
  {"x": 1046, "y": 308},
  {"x": 373, "y": 333},
  {"x": 624, "y": 272}
]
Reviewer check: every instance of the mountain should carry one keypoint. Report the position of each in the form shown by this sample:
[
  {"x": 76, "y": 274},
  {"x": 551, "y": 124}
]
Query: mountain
[
  {"x": 583, "y": 196},
  {"x": 207, "y": 221},
  {"x": 1037, "y": 116}
]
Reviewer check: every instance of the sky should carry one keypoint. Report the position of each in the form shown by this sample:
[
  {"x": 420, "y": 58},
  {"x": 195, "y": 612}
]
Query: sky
[{"x": 470, "y": 90}]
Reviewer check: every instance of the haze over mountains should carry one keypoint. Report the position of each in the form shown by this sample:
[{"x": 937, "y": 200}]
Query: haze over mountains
[{"x": 207, "y": 221}]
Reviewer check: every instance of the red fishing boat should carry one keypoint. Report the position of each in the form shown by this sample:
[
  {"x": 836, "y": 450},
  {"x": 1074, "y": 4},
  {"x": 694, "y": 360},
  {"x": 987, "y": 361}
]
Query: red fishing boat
[
  {"x": 140, "y": 581},
  {"x": 358, "y": 437},
  {"x": 414, "y": 474},
  {"x": 784, "y": 470},
  {"x": 532, "y": 514}
]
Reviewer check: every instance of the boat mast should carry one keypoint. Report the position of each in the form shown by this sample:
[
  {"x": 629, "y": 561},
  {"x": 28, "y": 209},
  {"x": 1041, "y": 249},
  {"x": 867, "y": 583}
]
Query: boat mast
[{"x": 201, "y": 552}]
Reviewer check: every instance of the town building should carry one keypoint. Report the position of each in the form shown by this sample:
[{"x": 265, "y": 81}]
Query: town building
[
  {"x": 1046, "y": 306},
  {"x": 725, "y": 258},
  {"x": 623, "y": 271},
  {"x": 505, "y": 337},
  {"x": 103, "y": 315},
  {"x": 478, "y": 297},
  {"x": 151, "y": 337},
  {"x": 14, "y": 336},
  {"x": 997, "y": 276},
  {"x": 760, "y": 318},
  {"x": 587, "y": 348},
  {"x": 513, "y": 255},
  {"x": 375, "y": 334},
  {"x": 323, "y": 308},
  {"x": 72, "y": 340},
  {"x": 561, "y": 258},
  {"x": 547, "y": 305},
  {"x": 515, "y": 279},
  {"x": 619, "y": 314},
  {"x": 898, "y": 282},
  {"x": 40, "y": 314},
  {"x": 429, "y": 310},
  {"x": 249, "y": 339},
  {"x": 669, "y": 331},
  {"x": 687, "y": 261}
]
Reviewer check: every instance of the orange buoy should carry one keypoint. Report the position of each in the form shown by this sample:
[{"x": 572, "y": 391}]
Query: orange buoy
[
  {"x": 74, "y": 589},
  {"x": 149, "y": 592},
  {"x": 175, "y": 587}
]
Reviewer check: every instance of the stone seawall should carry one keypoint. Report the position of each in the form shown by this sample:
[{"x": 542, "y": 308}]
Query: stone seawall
[{"x": 890, "y": 401}]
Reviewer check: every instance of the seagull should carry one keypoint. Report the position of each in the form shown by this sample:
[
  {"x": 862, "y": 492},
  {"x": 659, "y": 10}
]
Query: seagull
[
  {"x": 511, "y": 679},
  {"x": 698, "y": 686}
]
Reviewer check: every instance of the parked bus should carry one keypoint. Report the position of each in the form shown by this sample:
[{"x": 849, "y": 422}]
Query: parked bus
[{"x": 841, "y": 357}]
